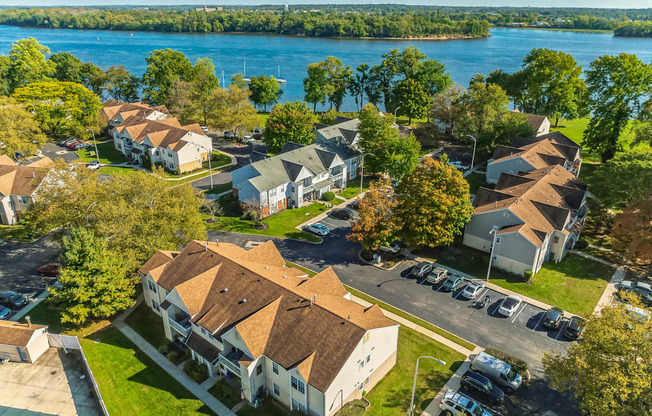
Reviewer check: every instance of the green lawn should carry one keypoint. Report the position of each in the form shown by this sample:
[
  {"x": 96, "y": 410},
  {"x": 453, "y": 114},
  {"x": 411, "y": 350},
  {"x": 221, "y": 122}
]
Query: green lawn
[
  {"x": 148, "y": 325},
  {"x": 116, "y": 170},
  {"x": 266, "y": 408},
  {"x": 280, "y": 224},
  {"x": 575, "y": 284},
  {"x": 108, "y": 154},
  {"x": 337, "y": 201},
  {"x": 225, "y": 393},
  {"x": 218, "y": 189},
  {"x": 476, "y": 180},
  {"x": 353, "y": 187},
  {"x": 130, "y": 382},
  {"x": 14, "y": 233},
  {"x": 219, "y": 159}
]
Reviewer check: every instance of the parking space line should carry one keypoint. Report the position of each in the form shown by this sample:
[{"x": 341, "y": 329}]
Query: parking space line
[
  {"x": 535, "y": 326},
  {"x": 519, "y": 312},
  {"x": 458, "y": 294},
  {"x": 482, "y": 296},
  {"x": 561, "y": 329}
]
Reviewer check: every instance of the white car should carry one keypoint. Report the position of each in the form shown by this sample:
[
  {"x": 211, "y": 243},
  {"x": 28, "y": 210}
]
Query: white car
[
  {"x": 473, "y": 290},
  {"x": 248, "y": 139},
  {"x": 509, "y": 305},
  {"x": 94, "y": 165},
  {"x": 318, "y": 229},
  {"x": 458, "y": 404},
  {"x": 459, "y": 165},
  {"x": 390, "y": 248}
]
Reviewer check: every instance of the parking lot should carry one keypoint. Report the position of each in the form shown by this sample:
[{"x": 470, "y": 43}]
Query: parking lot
[{"x": 54, "y": 151}]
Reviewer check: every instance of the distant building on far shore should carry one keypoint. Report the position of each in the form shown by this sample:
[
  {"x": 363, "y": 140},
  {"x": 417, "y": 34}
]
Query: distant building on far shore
[{"x": 207, "y": 9}]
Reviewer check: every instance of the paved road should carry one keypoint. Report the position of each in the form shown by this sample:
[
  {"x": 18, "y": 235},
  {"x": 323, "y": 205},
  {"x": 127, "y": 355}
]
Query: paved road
[
  {"x": 242, "y": 154},
  {"x": 54, "y": 151},
  {"x": 521, "y": 335}
]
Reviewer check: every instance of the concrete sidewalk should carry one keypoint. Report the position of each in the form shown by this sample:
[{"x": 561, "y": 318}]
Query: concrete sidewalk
[
  {"x": 610, "y": 290},
  {"x": 325, "y": 213}
]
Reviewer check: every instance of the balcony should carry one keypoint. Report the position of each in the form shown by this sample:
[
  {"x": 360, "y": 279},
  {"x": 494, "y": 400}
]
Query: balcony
[
  {"x": 308, "y": 189},
  {"x": 337, "y": 176},
  {"x": 180, "y": 321},
  {"x": 230, "y": 361}
]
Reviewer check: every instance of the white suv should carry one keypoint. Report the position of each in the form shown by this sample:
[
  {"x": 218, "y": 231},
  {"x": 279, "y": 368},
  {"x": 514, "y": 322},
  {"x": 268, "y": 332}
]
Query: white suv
[{"x": 457, "y": 404}]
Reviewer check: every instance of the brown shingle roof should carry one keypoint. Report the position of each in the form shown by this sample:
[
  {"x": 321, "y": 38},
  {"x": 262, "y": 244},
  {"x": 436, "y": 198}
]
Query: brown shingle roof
[
  {"x": 159, "y": 258},
  {"x": 162, "y": 133},
  {"x": 14, "y": 333},
  {"x": 114, "y": 108},
  {"x": 21, "y": 180},
  {"x": 202, "y": 347}
]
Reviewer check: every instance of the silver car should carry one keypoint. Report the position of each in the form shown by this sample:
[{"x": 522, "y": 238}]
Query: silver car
[
  {"x": 509, "y": 305},
  {"x": 473, "y": 290}
]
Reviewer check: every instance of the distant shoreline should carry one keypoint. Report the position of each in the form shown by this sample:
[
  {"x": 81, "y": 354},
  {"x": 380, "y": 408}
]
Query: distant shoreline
[{"x": 562, "y": 29}]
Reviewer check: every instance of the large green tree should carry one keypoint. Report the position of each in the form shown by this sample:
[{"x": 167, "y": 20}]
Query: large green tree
[
  {"x": 265, "y": 90},
  {"x": 625, "y": 177},
  {"x": 445, "y": 106},
  {"x": 28, "y": 63},
  {"x": 120, "y": 84},
  {"x": 503, "y": 130},
  {"x": 94, "y": 282},
  {"x": 376, "y": 224},
  {"x": 359, "y": 83},
  {"x": 164, "y": 66},
  {"x": 289, "y": 122},
  {"x": 19, "y": 131},
  {"x": 620, "y": 90},
  {"x": 433, "y": 204},
  {"x": 61, "y": 107},
  {"x": 412, "y": 99},
  {"x": 231, "y": 110},
  {"x": 609, "y": 369},
  {"x": 315, "y": 85},
  {"x": 481, "y": 106},
  {"x": 136, "y": 214}
]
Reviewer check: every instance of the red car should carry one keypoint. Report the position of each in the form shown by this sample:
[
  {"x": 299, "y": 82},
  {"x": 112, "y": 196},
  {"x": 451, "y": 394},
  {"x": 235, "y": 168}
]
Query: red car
[{"x": 50, "y": 270}]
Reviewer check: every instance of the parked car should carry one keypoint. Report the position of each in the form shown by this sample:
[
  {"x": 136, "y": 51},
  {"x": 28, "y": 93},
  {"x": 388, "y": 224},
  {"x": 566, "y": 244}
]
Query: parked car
[
  {"x": 258, "y": 133},
  {"x": 640, "y": 289},
  {"x": 247, "y": 139},
  {"x": 457, "y": 404},
  {"x": 553, "y": 318},
  {"x": 509, "y": 305},
  {"x": 80, "y": 145},
  {"x": 204, "y": 129},
  {"x": 452, "y": 283},
  {"x": 473, "y": 290},
  {"x": 421, "y": 269},
  {"x": 5, "y": 313},
  {"x": 497, "y": 371},
  {"x": 477, "y": 382},
  {"x": 229, "y": 135},
  {"x": 437, "y": 275},
  {"x": 94, "y": 165},
  {"x": 459, "y": 165},
  {"x": 355, "y": 204},
  {"x": 390, "y": 248},
  {"x": 317, "y": 228},
  {"x": 12, "y": 300},
  {"x": 574, "y": 328},
  {"x": 342, "y": 213},
  {"x": 50, "y": 270},
  {"x": 67, "y": 141}
]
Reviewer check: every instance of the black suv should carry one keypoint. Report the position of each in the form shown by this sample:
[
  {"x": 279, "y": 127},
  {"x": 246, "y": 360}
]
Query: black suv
[
  {"x": 342, "y": 213},
  {"x": 574, "y": 328},
  {"x": 553, "y": 318},
  {"x": 13, "y": 300},
  {"x": 477, "y": 382}
]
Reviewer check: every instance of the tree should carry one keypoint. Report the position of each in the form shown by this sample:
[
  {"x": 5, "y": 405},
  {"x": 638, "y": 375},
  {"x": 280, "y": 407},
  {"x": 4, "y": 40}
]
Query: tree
[
  {"x": 433, "y": 204},
  {"x": 203, "y": 83},
  {"x": 5, "y": 82},
  {"x": 289, "y": 122},
  {"x": 164, "y": 66},
  {"x": 412, "y": 98},
  {"x": 359, "y": 84},
  {"x": 214, "y": 208},
  {"x": 93, "y": 283},
  {"x": 28, "y": 63},
  {"x": 339, "y": 78},
  {"x": 265, "y": 90},
  {"x": 376, "y": 225},
  {"x": 609, "y": 371},
  {"x": 231, "y": 110},
  {"x": 402, "y": 155},
  {"x": 625, "y": 177},
  {"x": 19, "y": 131},
  {"x": 315, "y": 85},
  {"x": 445, "y": 106},
  {"x": 513, "y": 84},
  {"x": 237, "y": 80},
  {"x": 631, "y": 234},
  {"x": 620, "y": 89},
  {"x": 67, "y": 67},
  {"x": 433, "y": 77},
  {"x": 552, "y": 85},
  {"x": 502, "y": 132},
  {"x": 481, "y": 106},
  {"x": 136, "y": 214},
  {"x": 61, "y": 107},
  {"x": 121, "y": 84}
]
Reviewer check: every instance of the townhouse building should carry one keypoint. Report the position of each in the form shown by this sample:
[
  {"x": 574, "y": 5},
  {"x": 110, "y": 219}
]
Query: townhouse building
[
  {"x": 342, "y": 139},
  {"x": 18, "y": 186}
]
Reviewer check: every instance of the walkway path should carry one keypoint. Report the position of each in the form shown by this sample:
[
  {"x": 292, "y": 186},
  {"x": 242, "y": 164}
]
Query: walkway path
[
  {"x": 208, "y": 399},
  {"x": 610, "y": 290},
  {"x": 325, "y": 213}
]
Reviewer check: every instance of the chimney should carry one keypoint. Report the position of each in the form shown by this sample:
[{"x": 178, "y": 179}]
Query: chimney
[
  {"x": 29, "y": 321},
  {"x": 217, "y": 241}
]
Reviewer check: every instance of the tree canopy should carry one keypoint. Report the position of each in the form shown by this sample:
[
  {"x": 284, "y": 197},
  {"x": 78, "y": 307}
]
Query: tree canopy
[
  {"x": 625, "y": 177},
  {"x": 19, "y": 130},
  {"x": 28, "y": 63},
  {"x": 289, "y": 122},
  {"x": 164, "y": 66},
  {"x": 231, "y": 109},
  {"x": 376, "y": 225},
  {"x": 265, "y": 90}
]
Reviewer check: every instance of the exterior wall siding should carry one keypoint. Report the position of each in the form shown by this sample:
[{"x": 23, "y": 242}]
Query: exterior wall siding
[{"x": 515, "y": 165}]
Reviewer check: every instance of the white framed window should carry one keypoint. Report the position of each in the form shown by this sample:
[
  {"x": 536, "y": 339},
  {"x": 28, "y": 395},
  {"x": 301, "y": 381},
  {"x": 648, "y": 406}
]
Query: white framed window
[
  {"x": 298, "y": 385},
  {"x": 277, "y": 390},
  {"x": 203, "y": 331},
  {"x": 361, "y": 364},
  {"x": 23, "y": 199},
  {"x": 368, "y": 359},
  {"x": 275, "y": 368},
  {"x": 498, "y": 240},
  {"x": 152, "y": 286},
  {"x": 155, "y": 306}
]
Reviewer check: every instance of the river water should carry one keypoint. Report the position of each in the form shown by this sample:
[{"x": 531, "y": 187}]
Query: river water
[{"x": 265, "y": 55}]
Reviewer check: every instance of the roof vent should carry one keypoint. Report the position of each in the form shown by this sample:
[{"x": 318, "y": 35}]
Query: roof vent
[
  {"x": 226, "y": 289},
  {"x": 243, "y": 301},
  {"x": 266, "y": 267},
  {"x": 284, "y": 277}
]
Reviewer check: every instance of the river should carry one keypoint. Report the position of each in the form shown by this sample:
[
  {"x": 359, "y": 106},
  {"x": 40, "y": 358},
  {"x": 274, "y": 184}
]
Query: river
[{"x": 265, "y": 54}]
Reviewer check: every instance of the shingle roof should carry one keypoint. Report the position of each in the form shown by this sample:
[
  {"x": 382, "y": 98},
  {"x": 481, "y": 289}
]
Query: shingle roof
[
  {"x": 112, "y": 109},
  {"x": 18, "y": 334},
  {"x": 202, "y": 347},
  {"x": 540, "y": 152},
  {"x": 542, "y": 199},
  {"x": 269, "y": 304},
  {"x": 21, "y": 179}
]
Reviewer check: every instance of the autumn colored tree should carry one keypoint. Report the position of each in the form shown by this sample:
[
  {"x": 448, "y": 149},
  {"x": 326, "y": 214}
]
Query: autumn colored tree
[
  {"x": 377, "y": 225},
  {"x": 20, "y": 132},
  {"x": 433, "y": 204},
  {"x": 289, "y": 122},
  {"x": 231, "y": 110},
  {"x": 631, "y": 234},
  {"x": 609, "y": 370}
]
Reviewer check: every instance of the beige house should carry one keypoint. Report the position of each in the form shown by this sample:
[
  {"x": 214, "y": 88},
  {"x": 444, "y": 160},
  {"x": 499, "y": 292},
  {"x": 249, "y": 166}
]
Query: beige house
[
  {"x": 300, "y": 340},
  {"x": 142, "y": 132},
  {"x": 540, "y": 124},
  {"x": 22, "y": 342},
  {"x": 18, "y": 185}
]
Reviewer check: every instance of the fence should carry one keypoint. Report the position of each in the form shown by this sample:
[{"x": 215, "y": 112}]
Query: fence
[{"x": 72, "y": 343}]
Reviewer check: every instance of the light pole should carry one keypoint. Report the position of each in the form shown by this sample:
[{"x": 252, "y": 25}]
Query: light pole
[
  {"x": 397, "y": 108},
  {"x": 472, "y": 157},
  {"x": 362, "y": 170},
  {"x": 494, "y": 231},
  {"x": 86, "y": 213},
  {"x": 210, "y": 168},
  {"x": 416, "y": 371},
  {"x": 97, "y": 155}
]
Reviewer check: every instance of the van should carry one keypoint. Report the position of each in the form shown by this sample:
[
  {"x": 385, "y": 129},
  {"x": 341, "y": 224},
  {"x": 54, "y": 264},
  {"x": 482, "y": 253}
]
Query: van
[{"x": 498, "y": 371}]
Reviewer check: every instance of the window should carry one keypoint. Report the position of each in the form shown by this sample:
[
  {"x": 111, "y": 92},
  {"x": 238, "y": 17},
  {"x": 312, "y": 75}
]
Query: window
[
  {"x": 361, "y": 365},
  {"x": 259, "y": 369},
  {"x": 498, "y": 240},
  {"x": 277, "y": 391},
  {"x": 155, "y": 306},
  {"x": 156, "y": 153},
  {"x": 275, "y": 368},
  {"x": 368, "y": 358},
  {"x": 298, "y": 406},
  {"x": 152, "y": 286},
  {"x": 555, "y": 240},
  {"x": 298, "y": 385},
  {"x": 22, "y": 199},
  {"x": 360, "y": 386},
  {"x": 203, "y": 331}
]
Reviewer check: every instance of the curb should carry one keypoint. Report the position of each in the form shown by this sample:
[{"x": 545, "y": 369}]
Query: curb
[{"x": 40, "y": 298}]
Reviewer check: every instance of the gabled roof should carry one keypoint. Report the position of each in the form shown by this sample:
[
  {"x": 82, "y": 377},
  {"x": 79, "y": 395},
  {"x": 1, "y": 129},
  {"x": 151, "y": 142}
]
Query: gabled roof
[
  {"x": 21, "y": 179},
  {"x": 112, "y": 109},
  {"x": 540, "y": 152},
  {"x": 269, "y": 304},
  {"x": 17, "y": 334},
  {"x": 541, "y": 200},
  {"x": 535, "y": 120}
]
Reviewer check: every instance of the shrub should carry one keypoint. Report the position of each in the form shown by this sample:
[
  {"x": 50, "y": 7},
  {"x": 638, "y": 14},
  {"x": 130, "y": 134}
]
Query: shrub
[
  {"x": 328, "y": 196},
  {"x": 163, "y": 349},
  {"x": 173, "y": 356},
  {"x": 194, "y": 370},
  {"x": 581, "y": 244},
  {"x": 527, "y": 275},
  {"x": 517, "y": 364}
]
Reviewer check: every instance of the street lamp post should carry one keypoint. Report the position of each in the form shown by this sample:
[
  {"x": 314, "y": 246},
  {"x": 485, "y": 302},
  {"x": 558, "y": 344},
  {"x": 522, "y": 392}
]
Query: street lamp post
[
  {"x": 397, "y": 108},
  {"x": 416, "y": 371},
  {"x": 362, "y": 170},
  {"x": 97, "y": 155},
  {"x": 494, "y": 231},
  {"x": 210, "y": 168},
  {"x": 86, "y": 213},
  {"x": 472, "y": 157}
]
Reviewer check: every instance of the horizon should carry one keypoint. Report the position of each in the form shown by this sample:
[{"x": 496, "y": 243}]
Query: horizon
[{"x": 553, "y": 4}]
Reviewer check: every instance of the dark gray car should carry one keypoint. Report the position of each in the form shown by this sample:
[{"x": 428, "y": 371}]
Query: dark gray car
[
  {"x": 13, "y": 300},
  {"x": 421, "y": 269}
]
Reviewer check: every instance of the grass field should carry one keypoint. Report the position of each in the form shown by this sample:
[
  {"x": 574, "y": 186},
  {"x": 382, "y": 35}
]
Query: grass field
[
  {"x": 476, "y": 180},
  {"x": 108, "y": 154},
  {"x": 353, "y": 187},
  {"x": 148, "y": 325},
  {"x": 14, "y": 233},
  {"x": 218, "y": 189}
]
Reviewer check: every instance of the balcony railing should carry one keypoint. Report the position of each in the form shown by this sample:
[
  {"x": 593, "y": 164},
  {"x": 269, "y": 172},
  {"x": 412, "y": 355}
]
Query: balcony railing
[
  {"x": 308, "y": 188},
  {"x": 337, "y": 176},
  {"x": 183, "y": 328},
  {"x": 233, "y": 367}
]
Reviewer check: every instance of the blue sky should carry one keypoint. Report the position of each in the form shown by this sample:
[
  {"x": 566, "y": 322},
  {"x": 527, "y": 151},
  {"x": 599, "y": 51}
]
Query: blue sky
[{"x": 514, "y": 3}]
